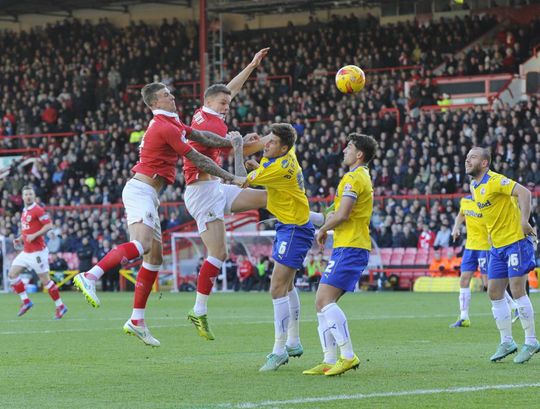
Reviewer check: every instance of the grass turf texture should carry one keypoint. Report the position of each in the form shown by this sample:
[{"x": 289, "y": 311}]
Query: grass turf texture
[{"x": 402, "y": 339}]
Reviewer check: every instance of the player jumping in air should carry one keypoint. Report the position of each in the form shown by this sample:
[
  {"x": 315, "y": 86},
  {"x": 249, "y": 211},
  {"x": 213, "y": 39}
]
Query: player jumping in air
[{"x": 163, "y": 143}]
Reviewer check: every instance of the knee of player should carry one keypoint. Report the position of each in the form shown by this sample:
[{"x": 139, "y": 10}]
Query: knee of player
[
  {"x": 279, "y": 290},
  {"x": 155, "y": 260}
]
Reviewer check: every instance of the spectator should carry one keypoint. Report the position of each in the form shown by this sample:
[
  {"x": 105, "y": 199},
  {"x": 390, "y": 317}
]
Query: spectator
[
  {"x": 85, "y": 254},
  {"x": 443, "y": 237}
]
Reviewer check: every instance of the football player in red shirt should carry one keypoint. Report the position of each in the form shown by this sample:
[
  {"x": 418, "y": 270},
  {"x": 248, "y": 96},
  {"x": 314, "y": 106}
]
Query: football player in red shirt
[
  {"x": 35, "y": 223},
  {"x": 164, "y": 142},
  {"x": 207, "y": 199}
]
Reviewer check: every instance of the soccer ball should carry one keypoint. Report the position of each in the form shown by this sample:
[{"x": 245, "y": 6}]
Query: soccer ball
[{"x": 350, "y": 79}]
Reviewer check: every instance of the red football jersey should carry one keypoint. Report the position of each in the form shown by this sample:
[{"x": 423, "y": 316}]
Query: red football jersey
[
  {"x": 32, "y": 220},
  {"x": 205, "y": 119},
  {"x": 156, "y": 157}
]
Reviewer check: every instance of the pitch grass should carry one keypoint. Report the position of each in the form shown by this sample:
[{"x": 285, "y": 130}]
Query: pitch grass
[{"x": 403, "y": 340}]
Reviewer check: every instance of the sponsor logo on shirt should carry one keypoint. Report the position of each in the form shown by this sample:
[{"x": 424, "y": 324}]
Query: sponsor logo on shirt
[
  {"x": 505, "y": 181},
  {"x": 483, "y": 205}
]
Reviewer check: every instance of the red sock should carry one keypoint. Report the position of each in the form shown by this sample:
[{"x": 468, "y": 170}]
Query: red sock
[
  {"x": 207, "y": 276},
  {"x": 143, "y": 287},
  {"x": 120, "y": 255},
  {"x": 53, "y": 290},
  {"x": 18, "y": 287}
]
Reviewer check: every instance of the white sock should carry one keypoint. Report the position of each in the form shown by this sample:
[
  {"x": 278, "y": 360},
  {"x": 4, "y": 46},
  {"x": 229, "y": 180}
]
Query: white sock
[
  {"x": 464, "y": 302},
  {"x": 58, "y": 302},
  {"x": 513, "y": 305},
  {"x": 337, "y": 322},
  {"x": 526, "y": 317},
  {"x": 328, "y": 342},
  {"x": 137, "y": 314},
  {"x": 501, "y": 313},
  {"x": 293, "y": 331},
  {"x": 316, "y": 218},
  {"x": 281, "y": 324},
  {"x": 95, "y": 271},
  {"x": 201, "y": 304}
]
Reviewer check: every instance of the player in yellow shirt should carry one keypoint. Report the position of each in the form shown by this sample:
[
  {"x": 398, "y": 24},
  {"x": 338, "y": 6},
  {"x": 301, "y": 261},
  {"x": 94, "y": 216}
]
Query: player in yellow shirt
[
  {"x": 350, "y": 255},
  {"x": 280, "y": 173},
  {"x": 475, "y": 256},
  {"x": 512, "y": 254}
]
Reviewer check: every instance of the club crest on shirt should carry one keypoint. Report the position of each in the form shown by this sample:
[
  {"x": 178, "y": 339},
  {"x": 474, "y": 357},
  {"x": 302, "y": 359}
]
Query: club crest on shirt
[
  {"x": 505, "y": 181},
  {"x": 28, "y": 218},
  {"x": 483, "y": 191},
  {"x": 347, "y": 187},
  {"x": 284, "y": 163}
]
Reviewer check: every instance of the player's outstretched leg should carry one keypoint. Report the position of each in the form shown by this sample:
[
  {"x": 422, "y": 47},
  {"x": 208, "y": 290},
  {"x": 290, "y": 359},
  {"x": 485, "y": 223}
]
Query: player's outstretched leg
[
  {"x": 136, "y": 325},
  {"x": 86, "y": 282},
  {"x": 279, "y": 355},
  {"x": 18, "y": 287}
]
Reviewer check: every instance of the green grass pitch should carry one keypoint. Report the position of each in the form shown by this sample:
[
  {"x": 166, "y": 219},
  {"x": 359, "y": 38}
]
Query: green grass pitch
[{"x": 409, "y": 356}]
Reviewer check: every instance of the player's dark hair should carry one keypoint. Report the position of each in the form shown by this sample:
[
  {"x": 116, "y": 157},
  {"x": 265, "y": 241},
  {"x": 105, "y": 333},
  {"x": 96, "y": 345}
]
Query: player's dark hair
[
  {"x": 215, "y": 89},
  {"x": 364, "y": 143},
  {"x": 27, "y": 187},
  {"x": 149, "y": 91},
  {"x": 286, "y": 134},
  {"x": 485, "y": 154}
]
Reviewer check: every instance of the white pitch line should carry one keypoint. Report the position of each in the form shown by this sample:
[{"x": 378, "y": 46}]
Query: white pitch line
[
  {"x": 181, "y": 325},
  {"x": 220, "y": 320},
  {"x": 359, "y": 396}
]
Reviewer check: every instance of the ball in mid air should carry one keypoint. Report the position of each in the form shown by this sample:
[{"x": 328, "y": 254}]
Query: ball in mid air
[{"x": 350, "y": 79}]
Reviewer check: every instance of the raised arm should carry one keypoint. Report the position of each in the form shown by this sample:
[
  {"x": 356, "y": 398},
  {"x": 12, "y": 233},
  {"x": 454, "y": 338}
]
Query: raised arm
[
  {"x": 207, "y": 165},
  {"x": 235, "y": 85},
  {"x": 237, "y": 142}
]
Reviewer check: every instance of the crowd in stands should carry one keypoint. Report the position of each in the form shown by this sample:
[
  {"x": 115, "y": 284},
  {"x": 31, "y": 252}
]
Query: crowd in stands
[
  {"x": 503, "y": 54},
  {"x": 71, "y": 77}
]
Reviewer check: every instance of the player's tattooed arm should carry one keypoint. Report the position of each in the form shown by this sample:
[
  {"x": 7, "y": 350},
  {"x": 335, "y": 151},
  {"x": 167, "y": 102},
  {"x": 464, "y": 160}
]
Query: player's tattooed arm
[
  {"x": 207, "y": 165},
  {"x": 238, "y": 145},
  {"x": 210, "y": 139}
]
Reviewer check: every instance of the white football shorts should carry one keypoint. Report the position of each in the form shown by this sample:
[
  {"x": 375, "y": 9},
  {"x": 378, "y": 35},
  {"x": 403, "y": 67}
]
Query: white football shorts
[
  {"x": 211, "y": 200},
  {"x": 37, "y": 261},
  {"x": 141, "y": 203}
]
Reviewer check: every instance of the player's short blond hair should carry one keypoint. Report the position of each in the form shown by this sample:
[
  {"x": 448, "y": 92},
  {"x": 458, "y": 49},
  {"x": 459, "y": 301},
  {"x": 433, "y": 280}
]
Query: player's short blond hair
[
  {"x": 27, "y": 187},
  {"x": 149, "y": 91},
  {"x": 485, "y": 153}
]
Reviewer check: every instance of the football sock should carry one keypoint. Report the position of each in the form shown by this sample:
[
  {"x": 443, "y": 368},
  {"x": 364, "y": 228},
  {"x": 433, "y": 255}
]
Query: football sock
[
  {"x": 511, "y": 302},
  {"x": 207, "y": 275},
  {"x": 526, "y": 317},
  {"x": 316, "y": 218},
  {"x": 293, "y": 332},
  {"x": 328, "y": 342},
  {"x": 18, "y": 287},
  {"x": 119, "y": 255},
  {"x": 464, "y": 301},
  {"x": 281, "y": 324},
  {"x": 337, "y": 322},
  {"x": 501, "y": 313},
  {"x": 145, "y": 280},
  {"x": 54, "y": 293}
]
